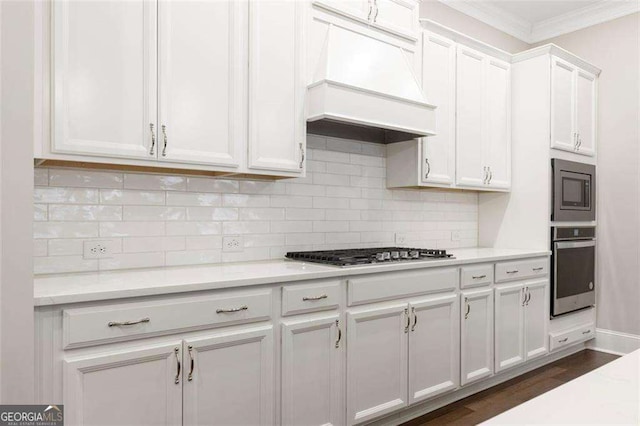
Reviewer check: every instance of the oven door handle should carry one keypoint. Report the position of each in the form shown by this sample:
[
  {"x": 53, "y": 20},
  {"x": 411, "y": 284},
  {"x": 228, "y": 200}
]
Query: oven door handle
[{"x": 574, "y": 244}]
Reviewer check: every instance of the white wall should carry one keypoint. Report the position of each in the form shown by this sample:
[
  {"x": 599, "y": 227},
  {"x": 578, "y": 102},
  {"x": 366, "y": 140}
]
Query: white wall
[
  {"x": 614, "y": 46},
  {"x": 16, "y": 187}
]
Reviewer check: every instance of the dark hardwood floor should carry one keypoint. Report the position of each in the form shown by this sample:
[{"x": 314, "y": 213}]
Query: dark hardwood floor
[{"x": 500, "y": 398}]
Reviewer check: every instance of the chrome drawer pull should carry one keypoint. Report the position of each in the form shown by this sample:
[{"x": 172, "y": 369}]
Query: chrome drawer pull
[
  {"x": 125, "y": 323},
  {"x": 192, "y": 362},
  {"x": 538, "y": 269},
  {"x": 176, "y": 350},
  {"x": 415, "y": 318},
  {"x": 515, "y": 271},
  {"x": 224, "y": 311},
  {"x": 563, "y": 340},
  {"x": 312, "y": 298},
  {"x": 339, "y": 334},
  {"x": 406, "y": 313},
  {"x": 478, "y": 277},
  {"x": 586, "y": 332}
]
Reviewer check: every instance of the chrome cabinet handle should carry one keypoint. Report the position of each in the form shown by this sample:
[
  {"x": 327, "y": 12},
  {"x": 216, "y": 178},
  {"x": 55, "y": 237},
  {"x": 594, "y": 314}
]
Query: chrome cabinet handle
[
  {"x": 486, "y": 175},
  {"x": 153, "y": 139},
  {"x": 575, "y": 141},
  {"x": 428, "y": 168},
  {"x": 301, "y": 155},
  {"x": 339, "y": 334},
  {"x": 490, "y": 175},
  {"x": 176, "y": 350},
  {"x": 225, "y": 311},
  {"x": 125, "y": 323},
  {"x": 370, "y": 10},
  {"x": 191, "y": 362},
  {"x": 375, "y": 17},
  {"x": 165, "y": 139},
  {"x": 312, "y": 298},
  {"x": 478, "y": 277},
  {"x": 528, "y": 298},
  {"x": 524, "y": 296},
  {"x": 415, "y": 318},
  {"x": 586, "y": 332},
  {"x": 466, "y": 314},
  {"x": 515, "y": 271},
  {"x": 406, "y": 313},
  {"x": 538, "y": 269},
  {"x": 563, "y": 340}
]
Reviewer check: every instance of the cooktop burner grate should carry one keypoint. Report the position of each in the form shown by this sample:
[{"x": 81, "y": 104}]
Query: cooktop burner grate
[{"x": 352, "y": 257}]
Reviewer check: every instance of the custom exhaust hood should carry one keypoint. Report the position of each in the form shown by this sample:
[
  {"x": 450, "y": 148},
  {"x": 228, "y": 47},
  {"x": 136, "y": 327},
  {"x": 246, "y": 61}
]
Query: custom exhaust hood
[{"x": 366, "y": 90}]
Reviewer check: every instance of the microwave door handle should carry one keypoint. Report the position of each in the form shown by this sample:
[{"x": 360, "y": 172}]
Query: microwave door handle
[{"x": 574, "y": 244}]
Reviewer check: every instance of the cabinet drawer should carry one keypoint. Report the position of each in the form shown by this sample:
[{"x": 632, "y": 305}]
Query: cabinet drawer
[
  {"x": 475, "y": 276},
  {"x": 102, "y": 324},
  {"x": 571, "y": 336},
  {"x": 522, "y": 269},
  {"x": 297, "y": 299},
  {"x": 395, "y": 285}
]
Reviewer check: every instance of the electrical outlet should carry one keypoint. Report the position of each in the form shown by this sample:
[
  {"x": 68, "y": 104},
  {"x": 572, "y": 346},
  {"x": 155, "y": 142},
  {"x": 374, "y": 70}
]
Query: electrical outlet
[
  {"x": 401, "y": 238},
  {"x": 455, "y": 235},
  {"x": 99, "y": 249},
  {"x": 233, "y": 243}
]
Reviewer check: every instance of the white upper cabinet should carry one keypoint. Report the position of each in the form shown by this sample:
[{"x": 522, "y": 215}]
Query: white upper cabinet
[
  {"x": 202, "y": 60},
  {"x": 104, "y": 82},
  {"x": 312, "y": 371},
  {"x": 228, "y": 378},
  {"x": 277, "y": 85},
  {"x": 138, "y": 385},
  {"x": 376, "y": 361},
  {"x": 498, "y": 123},
  {"x": 471, "y": 169},
  {"x": 439, "y": 86},
  {"x": 573, "y": 108},
  {"x": 434, "y": 347},
  {"x": 476, "y": 335}
]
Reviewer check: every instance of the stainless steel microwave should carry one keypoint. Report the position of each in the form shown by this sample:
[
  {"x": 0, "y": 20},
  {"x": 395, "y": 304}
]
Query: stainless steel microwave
[{"x": 574, "y": 191}]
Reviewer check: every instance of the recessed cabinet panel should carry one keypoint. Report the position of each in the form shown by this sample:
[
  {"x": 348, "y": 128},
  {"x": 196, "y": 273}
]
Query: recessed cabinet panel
[
  {"x": 312, "y": 371},
  {"x": 104, "y": 79},
  {"x": 376, "y": 361},
  {"x": 141, "y": 385},
  {"x": 470, "y": 118},
  {"x": 562, "y": 105},
  {"x": 439, "y": 86},
  {"x": 277, "y": 86},
  {"x": 509, "y": 326},
  {"x": 536, "y": 319},
  {"x": 228, "y": 378},
  {"x": 498, "y": 121},
  {"x": 397, "y": 16},
  {"x": 476, "y": 340},
  {"x": 586, "y": 112},
  {"x": 202, "y": 81}
]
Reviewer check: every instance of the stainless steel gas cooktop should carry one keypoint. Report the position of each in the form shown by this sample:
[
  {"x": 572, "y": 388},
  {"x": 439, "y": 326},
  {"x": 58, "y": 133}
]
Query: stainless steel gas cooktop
[{"x": 365, "y": 256}]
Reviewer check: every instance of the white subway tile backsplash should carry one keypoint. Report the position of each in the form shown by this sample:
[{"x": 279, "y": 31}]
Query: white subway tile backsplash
[{"x": 180, "y": 220}]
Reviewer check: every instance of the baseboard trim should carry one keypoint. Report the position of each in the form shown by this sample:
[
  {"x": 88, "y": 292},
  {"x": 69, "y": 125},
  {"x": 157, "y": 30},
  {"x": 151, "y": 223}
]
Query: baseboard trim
[
  {"x": 614, "y": 342},
  {"x": 420, "y": 409}
]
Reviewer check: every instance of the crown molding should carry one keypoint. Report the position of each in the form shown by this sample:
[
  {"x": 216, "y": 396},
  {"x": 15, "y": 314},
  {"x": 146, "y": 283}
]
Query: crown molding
[{"x": 597, "y": 13}]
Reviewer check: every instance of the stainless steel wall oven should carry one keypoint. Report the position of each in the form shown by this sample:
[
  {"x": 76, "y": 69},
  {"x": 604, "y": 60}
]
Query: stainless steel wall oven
[
  {"x": 574, "y": 260},
  {"x": 574, "y": 191}
]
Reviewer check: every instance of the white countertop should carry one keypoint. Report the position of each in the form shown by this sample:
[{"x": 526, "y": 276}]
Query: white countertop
[
  {"x": 605, "y": 396},
  {"x": 83, "y": 287}
]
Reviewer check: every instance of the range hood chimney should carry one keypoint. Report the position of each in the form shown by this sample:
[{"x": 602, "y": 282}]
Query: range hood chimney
[{"x": 366, "y": 90}]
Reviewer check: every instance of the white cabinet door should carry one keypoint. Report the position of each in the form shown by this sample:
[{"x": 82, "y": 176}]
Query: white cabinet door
[
  {"x": 228, "y": 378},
  {"x": 312, "y": 372},
  {"x": 509, "y": 326},
  {"x": 104, "y": 87},
  {"x": 586, "y": 112},
  {"x": 277, "y": 124},
  {"x": 434, "y": 351},
  {"x": 476, "y": 339},
  {"x": 376, "y": 361},
  {"x": 203, "y": 59},
  {"x": 141, "y": 385},
  {"x": 563, "y": 126},
  {"x": 360, "y": 9},
  {"x": 498, "y": 123},
  {"x": 536, "y": 319},
  {"x": 397, "y": 16},
  {"x": 470, "y": 118},
  {"x": 439, "y": 85}
]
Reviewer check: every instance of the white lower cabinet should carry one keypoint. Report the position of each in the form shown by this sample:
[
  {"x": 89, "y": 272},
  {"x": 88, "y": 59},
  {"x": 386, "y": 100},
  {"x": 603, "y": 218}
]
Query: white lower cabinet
[
  {"x": 520, "y": 323},
  {"x": 312, "y": 371},
  {"x": 476, "y": 339},
  {"x": 434, "y": 347},
  {"x": 228, "y": 378},
  {"x": 376, "y": 361},
  {"x": 140, "y": 385}
]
